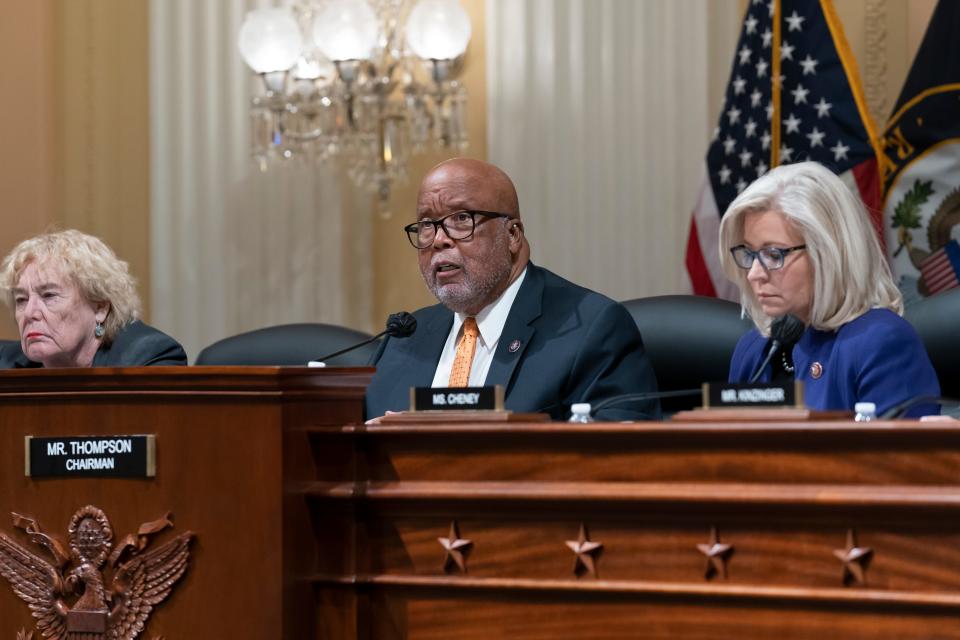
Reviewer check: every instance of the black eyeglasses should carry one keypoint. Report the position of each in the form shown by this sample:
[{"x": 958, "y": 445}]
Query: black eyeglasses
[
  {"x": 458, "y": 225},
  {"x": 770, "y": 257}
]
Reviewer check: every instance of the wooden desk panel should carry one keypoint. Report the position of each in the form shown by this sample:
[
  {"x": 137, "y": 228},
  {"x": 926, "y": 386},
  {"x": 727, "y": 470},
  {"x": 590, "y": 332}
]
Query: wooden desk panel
[
  {"x": 783, "y": 495},
  {"x": 221, "y": 462},
  {"x": 312, "y": 525}
]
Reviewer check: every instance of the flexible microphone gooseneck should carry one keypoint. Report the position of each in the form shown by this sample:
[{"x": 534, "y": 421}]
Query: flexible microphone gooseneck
[
  {"x": 399, "y": 325},
  {"x": 649, "y": 395},
  {"x": 898, "y": 410},
  {"x": 784, "y": 330}
]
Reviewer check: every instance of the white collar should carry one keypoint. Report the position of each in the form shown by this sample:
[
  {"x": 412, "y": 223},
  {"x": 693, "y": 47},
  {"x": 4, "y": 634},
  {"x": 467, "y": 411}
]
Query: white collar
[{"x": 493, "y": 317}]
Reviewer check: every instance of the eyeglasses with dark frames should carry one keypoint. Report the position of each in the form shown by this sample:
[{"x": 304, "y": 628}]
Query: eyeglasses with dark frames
[
  {"x": 459, "y": 225},
  {"x": 771, "y": 258}
]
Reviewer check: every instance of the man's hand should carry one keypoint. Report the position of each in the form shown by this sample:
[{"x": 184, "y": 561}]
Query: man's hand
[{"x": 377, "y": 420}]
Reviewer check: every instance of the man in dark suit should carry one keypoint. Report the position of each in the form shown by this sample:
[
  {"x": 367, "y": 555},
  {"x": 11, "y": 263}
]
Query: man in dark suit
[{"x": 501, "y": 319}]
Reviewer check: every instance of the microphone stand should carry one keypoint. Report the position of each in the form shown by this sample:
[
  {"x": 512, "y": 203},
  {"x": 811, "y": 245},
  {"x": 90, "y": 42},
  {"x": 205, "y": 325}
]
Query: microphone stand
[
  {"x": 774, "y": 346},
  {"x": 350, "y": 348},
  {"x": 399, "y": 325}
]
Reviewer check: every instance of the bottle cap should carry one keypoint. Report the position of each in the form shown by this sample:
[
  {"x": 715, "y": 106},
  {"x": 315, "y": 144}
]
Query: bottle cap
[
  {"x": 865, "y": 407},
  {"x": 581, "y": 408}
]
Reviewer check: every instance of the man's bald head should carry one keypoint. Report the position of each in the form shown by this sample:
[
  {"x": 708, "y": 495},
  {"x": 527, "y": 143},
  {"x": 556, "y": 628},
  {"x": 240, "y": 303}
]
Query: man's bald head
[
  {"x": 468, "y": 274},
  {"x": 484, "y": 182}
]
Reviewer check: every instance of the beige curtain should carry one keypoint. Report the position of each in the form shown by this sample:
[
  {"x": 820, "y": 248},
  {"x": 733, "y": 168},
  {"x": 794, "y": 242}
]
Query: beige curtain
[
  {"x": 601, "y": 111},
  {"x": 233, "y": 249}
]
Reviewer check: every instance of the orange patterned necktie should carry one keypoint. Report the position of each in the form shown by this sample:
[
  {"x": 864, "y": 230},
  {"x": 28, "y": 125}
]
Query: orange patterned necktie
[{"x": 460, "y": 373}]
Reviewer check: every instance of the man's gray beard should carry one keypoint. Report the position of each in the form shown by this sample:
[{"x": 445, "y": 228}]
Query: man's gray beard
[{"x": 465, "y": 296}]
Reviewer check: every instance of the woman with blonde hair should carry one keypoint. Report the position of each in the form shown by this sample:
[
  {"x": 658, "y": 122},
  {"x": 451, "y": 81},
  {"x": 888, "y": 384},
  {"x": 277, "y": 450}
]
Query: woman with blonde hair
[
  {"x": 76, "y": 305},
  {"x": 798, "y": 242}
]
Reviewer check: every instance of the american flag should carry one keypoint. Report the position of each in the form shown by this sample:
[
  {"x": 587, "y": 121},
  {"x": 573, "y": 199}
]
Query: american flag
[
  {"x": 794, "y": 94},
  {"x": 941, "y": 268}
]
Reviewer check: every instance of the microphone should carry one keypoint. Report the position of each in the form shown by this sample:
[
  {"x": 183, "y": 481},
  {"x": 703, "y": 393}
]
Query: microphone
[
  {"x": 785, "y": 330},
  {"x": 899, "y": 410},
  {"x": 399, "y": 325},
  {"x": 648, "y": 395}
]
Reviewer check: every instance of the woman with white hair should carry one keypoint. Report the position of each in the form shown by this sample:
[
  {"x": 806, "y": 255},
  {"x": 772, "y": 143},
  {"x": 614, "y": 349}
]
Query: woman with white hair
[
  {"x": 798, "y": 242},
  {"x": 76, "y": 305}
]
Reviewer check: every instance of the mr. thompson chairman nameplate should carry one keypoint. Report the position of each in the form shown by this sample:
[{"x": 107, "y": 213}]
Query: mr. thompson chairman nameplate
[{"x": 91, "y": 456}]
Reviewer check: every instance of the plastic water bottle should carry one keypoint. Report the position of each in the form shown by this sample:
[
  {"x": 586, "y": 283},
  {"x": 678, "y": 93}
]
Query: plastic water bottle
[
  {"x": 580, "y": 412},
  {"x": 866, "y": 411}
]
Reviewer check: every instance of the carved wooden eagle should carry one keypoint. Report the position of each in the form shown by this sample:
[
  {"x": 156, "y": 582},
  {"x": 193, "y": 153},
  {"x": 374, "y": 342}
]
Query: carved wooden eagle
[{"x": 139, "y": 583}]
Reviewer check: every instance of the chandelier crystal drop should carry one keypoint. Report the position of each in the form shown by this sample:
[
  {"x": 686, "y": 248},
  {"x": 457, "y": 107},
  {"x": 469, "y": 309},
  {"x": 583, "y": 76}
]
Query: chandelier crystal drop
[{"x": 368, "y": 82}]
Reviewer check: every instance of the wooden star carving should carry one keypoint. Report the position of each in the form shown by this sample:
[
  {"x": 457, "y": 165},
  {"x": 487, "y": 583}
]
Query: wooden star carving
[
  {"x": 585, "y": 550},
  {"x": 455, "y": 549},
  {"x": 717, "y": 555},
  {"x": 855, "y": 560}
]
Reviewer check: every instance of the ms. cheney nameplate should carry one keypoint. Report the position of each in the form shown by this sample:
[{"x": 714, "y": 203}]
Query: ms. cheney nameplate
[
  {"x": 91, "y": 456},
  {"x": 456, "y": 398}
]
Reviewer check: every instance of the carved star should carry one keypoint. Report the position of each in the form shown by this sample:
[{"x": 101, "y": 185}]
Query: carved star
[
  {"x": 717, "y": 555},
  {"x": 455, "y": 549},
  {"x": 584, "y": 549},
  {"x": 855, "y": 560}
]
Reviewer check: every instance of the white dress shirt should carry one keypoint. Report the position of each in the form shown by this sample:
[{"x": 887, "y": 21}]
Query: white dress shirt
[{"x": 490, "y": 322}]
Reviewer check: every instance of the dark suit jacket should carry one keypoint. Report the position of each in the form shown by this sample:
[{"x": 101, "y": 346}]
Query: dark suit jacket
[
  {"x": 575, "y": 345},
  {"x": 136, "y": 345}
]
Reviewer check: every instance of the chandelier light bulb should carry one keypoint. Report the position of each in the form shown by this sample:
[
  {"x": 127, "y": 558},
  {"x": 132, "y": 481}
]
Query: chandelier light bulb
[
  {"x": 346, "y": 81},
  {"x": 270, "y": 40},
  {"x": 438, "y": 29},
  {"x": 313, "y": 68},
  {"x": 346, "y": 30}
]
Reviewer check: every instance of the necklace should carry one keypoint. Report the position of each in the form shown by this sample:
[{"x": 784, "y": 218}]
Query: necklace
[{"x": 787, "y": 366}]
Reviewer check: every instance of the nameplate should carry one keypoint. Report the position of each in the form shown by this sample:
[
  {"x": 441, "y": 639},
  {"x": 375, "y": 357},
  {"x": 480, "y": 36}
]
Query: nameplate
[
  {"x": 456, "y": 398},
  {"x": 765, "y": 394},
  {"x": 91, "y": 456}
]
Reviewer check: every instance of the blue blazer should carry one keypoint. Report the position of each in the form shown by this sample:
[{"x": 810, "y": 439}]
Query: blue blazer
[
  {"x": 136, "y": 345},
  {"x": 877, "y": 358},
  {"x": 575, "y": 345}
]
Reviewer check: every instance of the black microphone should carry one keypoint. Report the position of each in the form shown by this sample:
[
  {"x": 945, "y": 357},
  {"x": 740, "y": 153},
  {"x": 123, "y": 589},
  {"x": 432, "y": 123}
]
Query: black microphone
[
  {"x": 627, "y": 397},
  {"x": 898, "y": 410},
  {"x": 648, "y": 395},
  {"x": 399, "y": 325},
  {"x": 785, "y": 330}
]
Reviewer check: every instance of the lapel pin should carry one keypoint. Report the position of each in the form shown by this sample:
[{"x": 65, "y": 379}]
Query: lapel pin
[
  {"x": 514, "y": 346},
  {"x": 816, "y": 370}
]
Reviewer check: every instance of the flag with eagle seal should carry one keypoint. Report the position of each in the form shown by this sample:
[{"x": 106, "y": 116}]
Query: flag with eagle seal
[{"x": 920, "y": 166}]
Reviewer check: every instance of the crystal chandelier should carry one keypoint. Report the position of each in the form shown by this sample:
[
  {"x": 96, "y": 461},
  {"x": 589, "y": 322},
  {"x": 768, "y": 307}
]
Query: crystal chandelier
[{"x": 368, "y": 82}]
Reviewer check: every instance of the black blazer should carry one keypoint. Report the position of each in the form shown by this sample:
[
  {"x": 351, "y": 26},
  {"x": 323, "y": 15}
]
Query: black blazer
[
  {"x": 136, "y": 345},
  {"x": 570, "y": 345}
]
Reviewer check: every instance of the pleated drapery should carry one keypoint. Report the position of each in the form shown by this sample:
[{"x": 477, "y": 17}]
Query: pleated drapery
[
  {"x": 602, "y": 111},
  {"x": 233, "y": 248}
]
